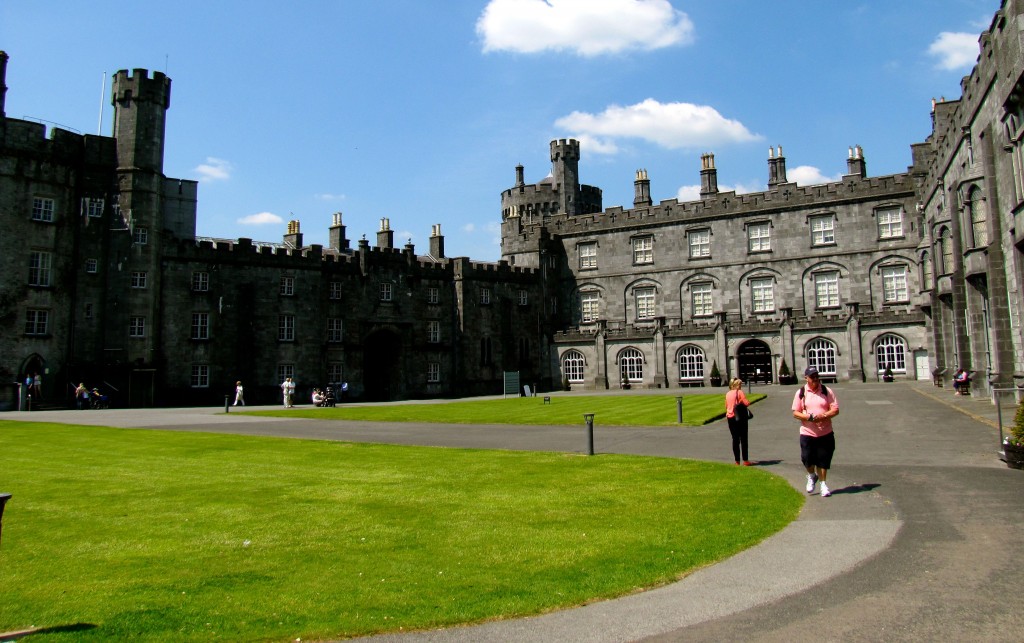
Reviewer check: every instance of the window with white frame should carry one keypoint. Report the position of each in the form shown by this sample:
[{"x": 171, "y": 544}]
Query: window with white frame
[
  {"x": 335, "y": 290},
  {"x": 92, "y": 266},
  {"x": 823, "y": 230},
  {"x": 334, "y": 330},
  {"x": 890, "y": 223},
  {"x": 40, "y": 268},
  {"x": 759, "y": 237},
  {"x": 645, "y": 304},
  {"x": 200, "y": 325},
  {"x": 42, "y": 209},
  {"x": 631, "y": 365},
  {"x": 92, "y": 207},
  {"x": 762, "y": 294},
  {"x": 140, "y": 279},
  {"x": 572, "y": 366},
  {"x": 523, "y": 297},
  {"x": 588, "y": 255},
  {"x": 433, "y": 295},
  {"x": 643, "y": 249},
  {"x": 334, "y": 372},
  {"x": 200, "y": 376},
  {"x": 821, "y": 354},
  {"x": 386, "y": 291},
  {"x": 894, "y": 284},
  {"x": 140, "y": 235},
  {"x": 700, "y": 296},
  {"x": 200, "y": 281},
  {"x": 826, "y": 289},
  {"x": 589, "y": 306},
  {"x": 700, "y": 243},
  {"x": 485, "y": 296},
  {"x": 136, "y": 326},
  {"x": 891, "y": 352},
  {"x": 37, "y": 322},
  {"x": 433, "y": 331},
  {"x": 433, "y": 372},
  {"x": 284, "y": 371},
  {"x": 691, "y": 363},
  {"x": 287, "y": 287},
  {"x": 286, "y": 328}
]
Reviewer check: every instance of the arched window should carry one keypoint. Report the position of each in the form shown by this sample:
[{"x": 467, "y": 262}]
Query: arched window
[
  {"x": 891, "y": 351},
  {"x": 631, "y": 365},
  {"x": 572, "y": 366},
  {"x": 926, "y": 270},
  {"x": 946, "y": 251},
  {"x": 979, "y": 223},
  {"x": 691, "y": 363},
  {"x": 821, "y": 354}
]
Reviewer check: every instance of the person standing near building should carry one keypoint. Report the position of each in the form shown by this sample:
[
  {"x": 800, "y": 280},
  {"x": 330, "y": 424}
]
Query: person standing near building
[
  {"x": 288, "y": 389},
  {"x": 737, "y": 416},
  {"x": 815, "y": 406},
  {"x": 37, "y": 386},
  {"x": 239, "y": 394}
]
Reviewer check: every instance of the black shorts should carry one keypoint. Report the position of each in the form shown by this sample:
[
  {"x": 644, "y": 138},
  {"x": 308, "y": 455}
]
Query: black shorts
[{"x": 817, "y": 452}]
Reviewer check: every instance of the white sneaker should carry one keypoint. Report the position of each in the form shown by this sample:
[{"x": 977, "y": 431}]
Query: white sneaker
[
  {"x": 812, "y": 479},
  {"x": 825, "y": 491}
]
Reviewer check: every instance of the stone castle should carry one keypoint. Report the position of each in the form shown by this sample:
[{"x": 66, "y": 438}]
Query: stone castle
[{"x": 910, "y": 275}]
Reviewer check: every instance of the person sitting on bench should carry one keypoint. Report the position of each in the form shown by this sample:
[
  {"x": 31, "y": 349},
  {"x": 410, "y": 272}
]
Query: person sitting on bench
[{"x": 961, "y": 382}]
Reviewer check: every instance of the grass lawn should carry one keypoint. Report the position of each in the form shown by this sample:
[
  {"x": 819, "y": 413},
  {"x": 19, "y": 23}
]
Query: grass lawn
[
  {"x": 609, "y": 410},
  {"x": 164, "y": 536}
]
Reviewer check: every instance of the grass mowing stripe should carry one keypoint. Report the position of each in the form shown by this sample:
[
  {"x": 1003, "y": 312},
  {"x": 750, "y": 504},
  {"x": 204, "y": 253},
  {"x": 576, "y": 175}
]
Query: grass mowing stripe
[{"x": 160, "y": 536}]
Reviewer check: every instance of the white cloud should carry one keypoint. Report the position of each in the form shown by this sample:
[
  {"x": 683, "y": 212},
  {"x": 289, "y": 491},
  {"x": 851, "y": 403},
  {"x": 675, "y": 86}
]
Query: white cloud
[
  {"x": 669, "y": 125},
  {"x": 955, "y": 50},
  {"x": 808, "y": 175},
  {"x": 330, "y": 197},
  {"x": 261, "y": 218},
  {"x": 587, "y": 27},
  {"x": 469, "y": 227},
  {"x": 214, "y": 169}
]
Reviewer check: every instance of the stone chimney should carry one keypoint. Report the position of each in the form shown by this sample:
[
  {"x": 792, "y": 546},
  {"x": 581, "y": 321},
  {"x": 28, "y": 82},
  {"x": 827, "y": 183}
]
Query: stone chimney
[
  {"x": 708, "y": 175},
  {"x": 436, "y": 242},
  {"x": 855, "y": 164},
  {"x": 641, "y": 189},
  {"x": 776, "y": 168},
  {"x": 336, "y": 234},
  {"x": 293, "y": 239},
  {"x": 385, "y": 236}
]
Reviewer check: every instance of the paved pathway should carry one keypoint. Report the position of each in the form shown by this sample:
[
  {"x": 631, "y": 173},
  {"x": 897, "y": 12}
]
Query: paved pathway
[{"x": 920, "y": 540}]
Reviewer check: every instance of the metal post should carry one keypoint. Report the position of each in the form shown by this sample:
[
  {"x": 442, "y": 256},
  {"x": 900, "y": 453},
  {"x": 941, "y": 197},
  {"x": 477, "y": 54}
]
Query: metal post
[
  {"x": 589, "y": 418},
  {"x": 28, "y": 402},
  {"x": 679, "y": 409},
  {"x": 4, "y": 497},
  {"x": 19, "y": 395},
  {"x": 226, "y": 406}
]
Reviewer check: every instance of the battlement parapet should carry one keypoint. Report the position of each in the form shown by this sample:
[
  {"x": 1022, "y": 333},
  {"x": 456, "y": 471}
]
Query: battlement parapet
[{"x": 138, "y": 86}]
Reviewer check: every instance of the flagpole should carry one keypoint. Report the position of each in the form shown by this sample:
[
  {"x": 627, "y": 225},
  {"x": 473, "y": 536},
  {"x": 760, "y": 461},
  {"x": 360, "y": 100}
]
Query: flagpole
[{"x": 103, "y": 91}]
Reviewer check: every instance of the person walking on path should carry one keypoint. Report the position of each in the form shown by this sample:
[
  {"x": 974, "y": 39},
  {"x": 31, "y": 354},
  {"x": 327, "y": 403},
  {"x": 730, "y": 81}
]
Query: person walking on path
[
  {"x": 815, "y": 406},
  {"x": 737, "y": 416},
  {"x": 239, "y": 394}
]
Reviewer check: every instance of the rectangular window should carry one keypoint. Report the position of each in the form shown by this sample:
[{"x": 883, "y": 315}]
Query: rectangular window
[
  {"x": 137, "y": 327},
  {"x": 92, "y": 207},
  {"x": 286, "y": 328},
  {"x": 385, "y": 292},
  {"x": 334, "y": 330},
  {"x": 433, "y": 372},
  {"x": 894, "y": 284},
  {"x": 200, "y": 281},
  {"x": 42, "y": 209},
  {"x": 88, "y": 311},
  {"x": 823, "y": 230},
  {"x": 826, "y": 289},
  {"x": 40, "y": 268},
  {"x": 334, "y": 373},
  {"x": 433, "y": 295},
  {"x": 485, "y": 295},
  {"x": 890, "y": 223},
  {"x": 37, "y": 322},
  {"x": 589, "y": 302},
  {"x": 92, "y": 266},
  {"x": 335, "y": 292},
  {"x": 700, "y": 294},
  {"x": 140, "y": 236},
  {"x": 644, "y": 303},
  {"x": 139, "y": 278},
  {"x": 287, "y": 287},
  {"x": 284, "y": 371},
  {"x": 200, "y": 376},
  {"x": 759, "y": 237},
  {"x": 523, "y": 298},
  {"x": 762, "y": 295},
  {"x": 643, "y": 250},
  {"x": 588, "y": 256},
  {"x": 433, "y": 331},
  {"x": 700, "y": 243},
  {"x": 200, "y": 325}
]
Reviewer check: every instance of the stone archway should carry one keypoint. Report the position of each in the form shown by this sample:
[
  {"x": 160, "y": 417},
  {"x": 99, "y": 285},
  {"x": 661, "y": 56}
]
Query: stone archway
[
  {"x": 382, "y": 366},
  {"x": 754, "y": 361}
]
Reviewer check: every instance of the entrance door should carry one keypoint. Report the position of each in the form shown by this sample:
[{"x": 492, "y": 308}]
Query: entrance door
[
  {"x": 382, "y": 369},
  {"x": 921, "y": 365},
  {"x": 754, "y": 361}
]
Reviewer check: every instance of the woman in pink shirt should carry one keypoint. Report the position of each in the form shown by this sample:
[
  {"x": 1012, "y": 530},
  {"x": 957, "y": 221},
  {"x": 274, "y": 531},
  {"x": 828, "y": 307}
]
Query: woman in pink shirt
[{"x": 736, "y": 415}]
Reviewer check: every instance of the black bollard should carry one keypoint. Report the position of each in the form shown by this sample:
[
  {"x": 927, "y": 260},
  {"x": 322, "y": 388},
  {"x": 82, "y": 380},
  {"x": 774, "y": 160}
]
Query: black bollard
[
  {"x": 226, "y": 405},
  {"x": 679, "y": 409},
  {"x": 589, "y": 418},
  {"x": 4, "y": 497}
]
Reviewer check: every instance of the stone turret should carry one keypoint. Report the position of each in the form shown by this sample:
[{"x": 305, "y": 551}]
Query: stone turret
[{"x": 565, "y": 170}]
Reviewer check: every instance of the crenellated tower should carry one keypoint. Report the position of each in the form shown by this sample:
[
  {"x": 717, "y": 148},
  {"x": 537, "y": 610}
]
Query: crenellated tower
[{"x": 565, "y": 169}]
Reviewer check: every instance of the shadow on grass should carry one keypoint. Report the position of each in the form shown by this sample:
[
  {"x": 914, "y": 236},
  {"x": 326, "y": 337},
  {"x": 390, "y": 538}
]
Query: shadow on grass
[{"x": 53, "y": 629}]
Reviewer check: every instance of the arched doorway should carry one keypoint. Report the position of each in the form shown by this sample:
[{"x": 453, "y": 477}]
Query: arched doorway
[
  {"x": 754, "y": 361},
  {"x": 382, "y": 366}
]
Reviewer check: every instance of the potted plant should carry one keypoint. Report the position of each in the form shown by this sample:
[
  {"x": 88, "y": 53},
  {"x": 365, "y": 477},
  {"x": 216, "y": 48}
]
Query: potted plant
[
  {"x": 887, "y": 375},
  {"x": 716, "y": 375},
  {"x": 1013, "y": 444},
  {"x": 785, "y": 376}
]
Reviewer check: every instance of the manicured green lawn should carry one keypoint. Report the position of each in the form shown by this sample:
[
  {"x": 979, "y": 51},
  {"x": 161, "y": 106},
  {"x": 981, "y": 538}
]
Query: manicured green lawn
[
  {"x": 161, "y": 536},
  {"x": 609, "y": 410}
]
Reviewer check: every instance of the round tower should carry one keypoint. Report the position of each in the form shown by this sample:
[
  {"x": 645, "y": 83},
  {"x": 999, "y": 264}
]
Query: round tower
[
  {"x": 140, "y": 114},
  {"x": 565, "y": 169}
]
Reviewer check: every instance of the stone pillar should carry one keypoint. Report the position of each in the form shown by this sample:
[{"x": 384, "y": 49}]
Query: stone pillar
[{"x": 854, "y": 343}]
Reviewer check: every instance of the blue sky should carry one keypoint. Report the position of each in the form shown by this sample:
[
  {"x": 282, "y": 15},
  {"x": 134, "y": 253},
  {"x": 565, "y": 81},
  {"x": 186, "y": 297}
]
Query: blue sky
[{"x": 419, "y": 112}]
